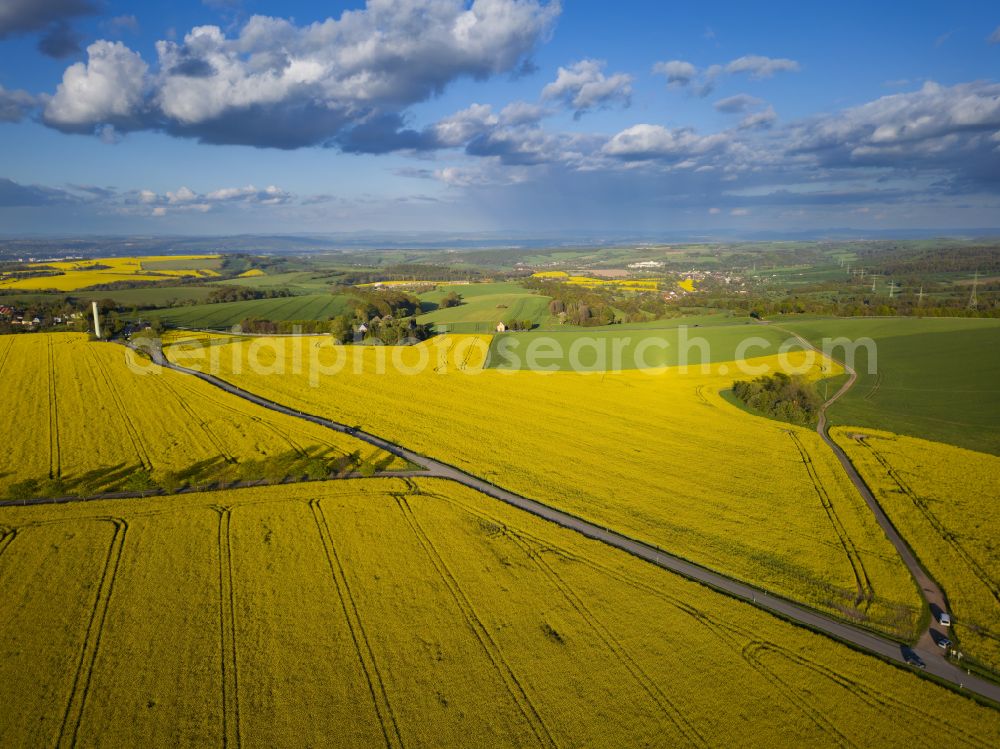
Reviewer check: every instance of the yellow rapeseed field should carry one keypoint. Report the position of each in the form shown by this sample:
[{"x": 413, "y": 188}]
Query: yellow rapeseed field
[
  {"x": 943, "y": 500},
  {"x": 656, "y": 455},
  {"x": 645, "y": 284},
  {"x": 389, "y": 613},
  {"x": 78, "y": 420},
  {"x": 79, "y": 274}
]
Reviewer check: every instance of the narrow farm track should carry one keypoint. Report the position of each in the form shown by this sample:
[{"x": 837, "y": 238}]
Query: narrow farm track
[
  {"x": 73, "y": 715},
  {"x": 855, "y": 636},
  {"x": 55, "y": 464},
  {"x": 362, "y": 644},
  {"x": 231, "y": 736},
  {"x": 866, "y": 593},
  {"x": 931, "y": 592}
]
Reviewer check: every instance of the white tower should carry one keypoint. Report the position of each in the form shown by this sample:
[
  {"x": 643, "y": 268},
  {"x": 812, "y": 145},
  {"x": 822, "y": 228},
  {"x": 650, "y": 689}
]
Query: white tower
[{"x": 97, "y": 320}]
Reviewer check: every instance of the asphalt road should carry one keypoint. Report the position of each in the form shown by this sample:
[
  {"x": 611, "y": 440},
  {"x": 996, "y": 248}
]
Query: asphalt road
[
  {"x": 926, "y": 647},
  {"x": 864, "y": 639}
]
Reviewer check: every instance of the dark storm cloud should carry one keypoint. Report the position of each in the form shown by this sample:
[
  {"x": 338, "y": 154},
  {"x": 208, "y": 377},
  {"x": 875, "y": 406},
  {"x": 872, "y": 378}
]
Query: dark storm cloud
[{"x": 51, "y": 17}]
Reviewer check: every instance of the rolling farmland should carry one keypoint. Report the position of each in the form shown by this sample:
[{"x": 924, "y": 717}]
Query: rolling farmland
[
  {"x": 483, "y": 306},
  {"x": 943, "y": 500},
  {"x": 635, "y": 450},
  {"x": 273, "y": 616},
  {"x": 644, "y": 346},
  {"x": 80, "y": 274},
  {"x": 936, "y": 378},
  {"x": 227, "y": 314},
  {"x": 79, "y": 420}
]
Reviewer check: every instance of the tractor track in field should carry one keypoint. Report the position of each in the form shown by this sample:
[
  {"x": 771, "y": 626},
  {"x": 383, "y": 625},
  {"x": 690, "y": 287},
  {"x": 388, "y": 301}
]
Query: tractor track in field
[
  {"x": 6, "y": 353},
  {"x": 7, "y": 536},
  {"x": 494, "y": 653},
  {"x": 686, "y": 730},
  {"x": 366, "y": 655},
  {"x": 196, "y": 419},
  {"x": 740, "y": 640},
  {"x": 865, "y": 591},
  {"x": 73, "y": 715},
  {"x": 977, "y": 570},
  {"x": 55, "y": 457},
  {"x": 231, "y": 736},
  {"x": 134, "y": 436},
  {"x": 864, "y": 639}
]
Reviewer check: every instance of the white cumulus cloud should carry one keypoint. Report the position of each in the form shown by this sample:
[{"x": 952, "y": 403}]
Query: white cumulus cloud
[
  {"x": 107, "y": 89},
  {"x": 646, "y": 142},
  {"x": 277, "y": 84},
  {"x": 584, "y": 86}
]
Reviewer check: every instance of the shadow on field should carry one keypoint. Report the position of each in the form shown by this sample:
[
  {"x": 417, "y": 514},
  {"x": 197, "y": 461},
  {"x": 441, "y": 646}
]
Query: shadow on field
[{"x": 312, "y": 463}]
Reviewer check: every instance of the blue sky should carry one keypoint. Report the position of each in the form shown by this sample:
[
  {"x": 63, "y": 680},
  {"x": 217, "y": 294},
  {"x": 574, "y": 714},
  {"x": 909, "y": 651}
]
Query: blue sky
[{"x": 220, "y": 116}]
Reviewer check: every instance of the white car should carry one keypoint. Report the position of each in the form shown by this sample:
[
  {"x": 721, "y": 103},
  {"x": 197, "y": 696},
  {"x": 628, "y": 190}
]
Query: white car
[{"x": 944, "y": 619}]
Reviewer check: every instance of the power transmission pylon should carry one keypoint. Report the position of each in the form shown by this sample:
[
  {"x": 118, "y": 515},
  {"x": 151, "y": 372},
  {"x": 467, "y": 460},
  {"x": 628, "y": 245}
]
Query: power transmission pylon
[
  {"x": 920, "y": 297},
  {"x": 973, "y": 301}
]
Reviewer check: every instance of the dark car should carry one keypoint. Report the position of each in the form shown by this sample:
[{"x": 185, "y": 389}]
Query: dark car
[{"x": 915, "y": 660}]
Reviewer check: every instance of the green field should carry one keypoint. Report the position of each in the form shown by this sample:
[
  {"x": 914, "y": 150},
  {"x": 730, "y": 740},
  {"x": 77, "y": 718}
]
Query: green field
[
  {"x": 227, "y": 314},
  {"x": 167, "y": 263},
  {"x": 484, "y": 305},
  {"x": 936, "y": 378},
  {"x": 124, "y": 297},
  {"x": 305, "y": 280},
  {"x": 638, "y": 347}
]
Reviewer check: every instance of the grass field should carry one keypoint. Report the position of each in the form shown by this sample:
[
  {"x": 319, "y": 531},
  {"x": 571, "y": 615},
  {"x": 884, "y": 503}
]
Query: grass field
[
  {"x": 80, "y": 274},
  {"x": 658, "y": 456},
  {"x": 184, "y": 264},
  {"x": 938, "y": 379},
  {"x": 484, "y": 305},
  {"x": 943, "y": 500},
  {"x": 407, "y": 614},
  {"x": 666, "y": 343},
  {"x": 302, "y": 280},
  {"x": 78, "y": 420},
  {"x": 227, "y": 314},
  {"x": 156, "y": 296}
]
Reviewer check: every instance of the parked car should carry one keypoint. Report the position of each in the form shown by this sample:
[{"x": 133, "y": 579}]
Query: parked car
[
  {"x": 915, "y": 660},
  {"x": 944, "y": 619},
  {"x": 944, "y": 643}
]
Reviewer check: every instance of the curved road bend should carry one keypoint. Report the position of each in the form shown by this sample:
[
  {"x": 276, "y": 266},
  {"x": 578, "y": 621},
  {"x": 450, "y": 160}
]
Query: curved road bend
[
  {"x": 861, "y": 638},
  {"x": 931, "y": 592}
]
